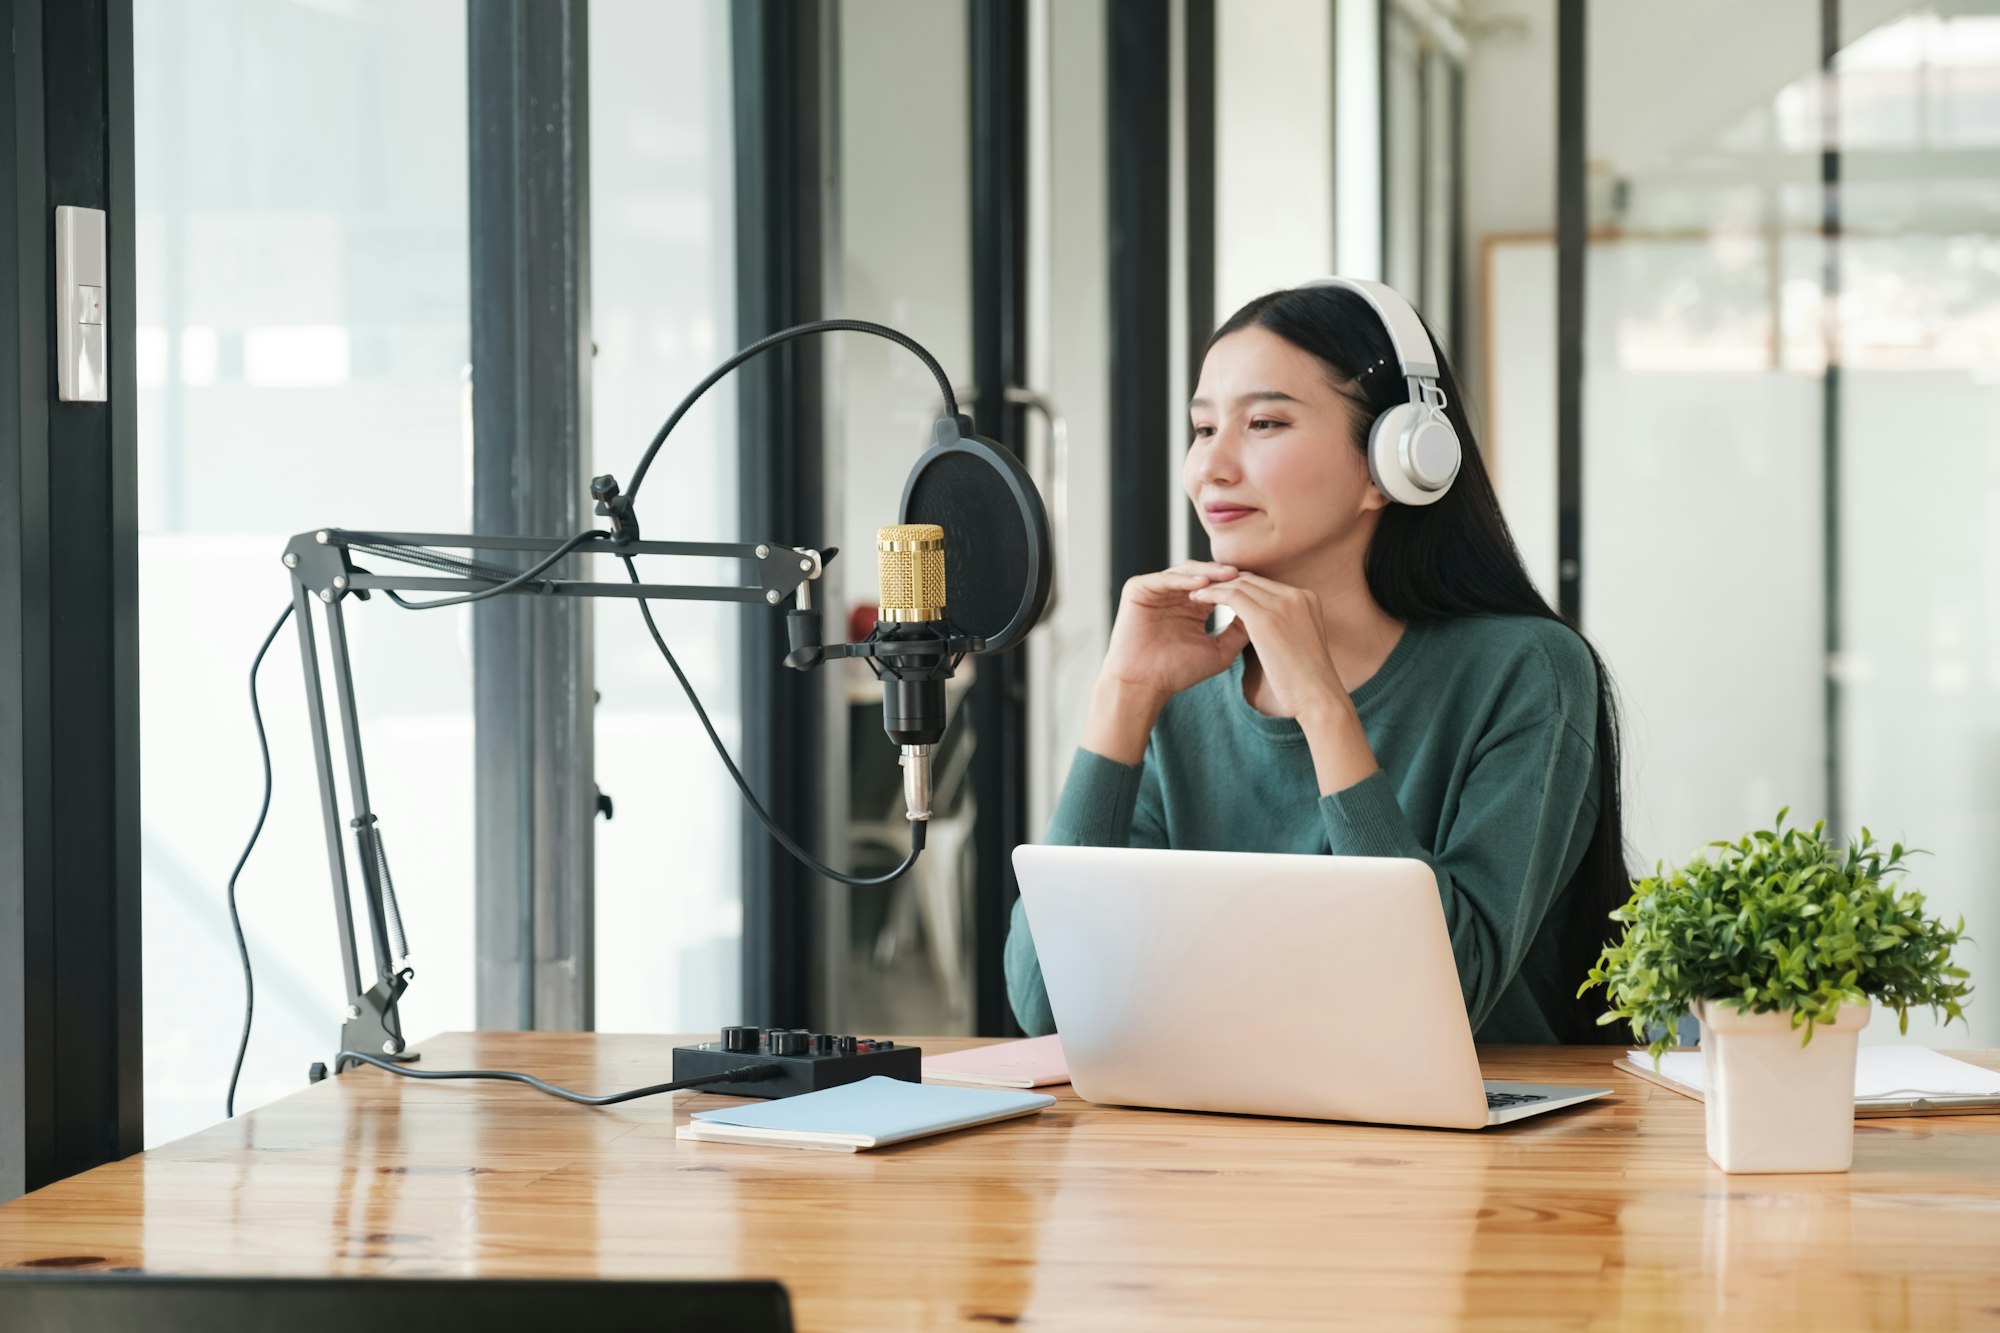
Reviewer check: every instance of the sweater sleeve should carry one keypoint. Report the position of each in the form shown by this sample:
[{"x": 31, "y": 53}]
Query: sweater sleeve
[
  {"x": 1103, "y": 804},
  {"x": 1500, "y": 862}
]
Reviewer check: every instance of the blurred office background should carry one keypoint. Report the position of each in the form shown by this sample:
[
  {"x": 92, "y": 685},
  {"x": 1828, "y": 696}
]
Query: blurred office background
[{"x": 1722, "y": 280}]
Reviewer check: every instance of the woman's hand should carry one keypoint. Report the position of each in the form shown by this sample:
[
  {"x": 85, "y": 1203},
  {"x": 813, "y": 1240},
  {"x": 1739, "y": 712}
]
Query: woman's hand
[
  {"x": 1288, "y": 629},
  {"x": 1159, "y": 646},
  {"x": 1159, "y": 642}
]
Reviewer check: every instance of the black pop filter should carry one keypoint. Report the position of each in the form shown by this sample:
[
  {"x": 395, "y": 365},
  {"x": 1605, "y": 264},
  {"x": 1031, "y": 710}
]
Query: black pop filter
[{"x": 997, "y": 566}]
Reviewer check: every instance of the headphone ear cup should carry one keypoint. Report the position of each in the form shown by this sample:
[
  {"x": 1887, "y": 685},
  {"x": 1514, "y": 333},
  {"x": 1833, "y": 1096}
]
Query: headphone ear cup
[
  {"x": 1385, "y": 463},
  {"x": 1403, "y": 429}
]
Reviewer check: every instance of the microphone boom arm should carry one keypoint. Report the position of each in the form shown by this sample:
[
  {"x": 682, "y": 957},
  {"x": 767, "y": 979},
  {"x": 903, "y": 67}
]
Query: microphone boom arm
[{"x": 323, "y": 574}]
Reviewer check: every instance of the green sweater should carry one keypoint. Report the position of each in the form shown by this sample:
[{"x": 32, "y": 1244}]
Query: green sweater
[{"x": 1486, "y": 731}]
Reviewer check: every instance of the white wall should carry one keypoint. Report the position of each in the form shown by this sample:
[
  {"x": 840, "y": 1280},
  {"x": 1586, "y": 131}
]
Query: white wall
[
  {"x": 1358, "y": 131},
  {"x": 1273, "y": 147},
  {"x": 1516, "y": 425}
]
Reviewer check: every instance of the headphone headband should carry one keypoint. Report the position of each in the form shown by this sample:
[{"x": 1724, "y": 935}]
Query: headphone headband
[
  {"x": 1413, "y": 452},
  {"x": 1406, "y": 331}
]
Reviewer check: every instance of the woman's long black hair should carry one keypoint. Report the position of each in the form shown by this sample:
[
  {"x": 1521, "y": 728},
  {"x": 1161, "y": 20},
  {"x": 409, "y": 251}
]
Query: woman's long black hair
[{"x": 1453, "y": 558}]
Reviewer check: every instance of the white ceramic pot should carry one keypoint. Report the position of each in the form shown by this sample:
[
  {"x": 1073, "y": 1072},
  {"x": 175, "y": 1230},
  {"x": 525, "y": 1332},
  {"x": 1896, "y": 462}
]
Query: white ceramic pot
[{"x": 1775, "y": 1105}]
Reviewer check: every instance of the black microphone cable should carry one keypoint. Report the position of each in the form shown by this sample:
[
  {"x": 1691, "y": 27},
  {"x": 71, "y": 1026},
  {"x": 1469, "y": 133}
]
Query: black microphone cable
[
  {"x": 528, "y": 575},
  {"x": 235, "y": 918},
  {"x": 805, "y": 858},
  {"x": 774, "y": 340},
  {"x": 917, "y": 826},
  {"x": 741, "y": 1074}
]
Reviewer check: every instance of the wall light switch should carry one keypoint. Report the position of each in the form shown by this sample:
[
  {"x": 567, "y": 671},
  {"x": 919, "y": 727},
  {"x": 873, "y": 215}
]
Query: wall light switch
[{"x": 82, "y": 373}]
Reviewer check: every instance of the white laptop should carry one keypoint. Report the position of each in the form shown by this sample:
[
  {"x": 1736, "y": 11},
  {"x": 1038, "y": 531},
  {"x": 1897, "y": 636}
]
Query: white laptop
[{"x": 1320, "y": 987}]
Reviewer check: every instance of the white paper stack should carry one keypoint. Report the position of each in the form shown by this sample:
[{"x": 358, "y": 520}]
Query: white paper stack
[{"x": 1886, "y": 1078}]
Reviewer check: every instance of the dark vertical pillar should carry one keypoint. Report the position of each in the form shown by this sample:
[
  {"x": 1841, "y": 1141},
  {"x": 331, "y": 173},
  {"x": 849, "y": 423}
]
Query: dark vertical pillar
[
  {"x": 1830, "y": 400},
  {"x": 124, "y": 1123},
  {"x": 532, "y": 681},
  {"x": 71, "y": 1076},
  {"x": 997, "y": 81},
  {"x": 1198, "y": 83},
  {"x": 1140, "y": 274},
  {"x": 776, "y": 56},
  {"x": 1572, "y": 238}
]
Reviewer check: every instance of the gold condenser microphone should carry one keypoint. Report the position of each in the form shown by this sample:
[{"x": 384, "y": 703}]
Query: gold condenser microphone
[{"x": 911, "y": 657}]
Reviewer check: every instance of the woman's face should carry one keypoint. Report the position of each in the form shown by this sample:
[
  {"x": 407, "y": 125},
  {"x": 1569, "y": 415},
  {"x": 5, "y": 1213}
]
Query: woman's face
[{"x": 1273, "y": 469}]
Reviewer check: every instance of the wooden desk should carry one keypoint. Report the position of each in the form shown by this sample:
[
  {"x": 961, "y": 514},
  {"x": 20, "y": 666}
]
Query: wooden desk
[{"x": 1608, "y": 1216}]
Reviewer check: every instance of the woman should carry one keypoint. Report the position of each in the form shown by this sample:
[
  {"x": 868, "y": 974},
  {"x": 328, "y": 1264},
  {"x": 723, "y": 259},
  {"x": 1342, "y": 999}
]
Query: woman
[{"x": 1391, "y": 684}]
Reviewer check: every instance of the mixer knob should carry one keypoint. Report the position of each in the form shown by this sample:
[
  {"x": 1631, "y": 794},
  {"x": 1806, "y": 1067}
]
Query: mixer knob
[{"x": 790, "y": 1041}]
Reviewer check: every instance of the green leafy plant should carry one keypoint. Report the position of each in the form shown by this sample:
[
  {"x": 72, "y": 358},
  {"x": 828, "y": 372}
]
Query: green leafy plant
[{"x": 1781, "y": 919}]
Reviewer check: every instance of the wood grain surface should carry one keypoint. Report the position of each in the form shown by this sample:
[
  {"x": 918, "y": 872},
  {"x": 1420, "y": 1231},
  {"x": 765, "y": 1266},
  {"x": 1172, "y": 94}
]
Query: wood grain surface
[{"x": 1605, "y": 1216}]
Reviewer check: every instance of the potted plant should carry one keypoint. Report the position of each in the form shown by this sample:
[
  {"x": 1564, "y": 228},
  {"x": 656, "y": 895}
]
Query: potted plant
[{"x": 1777, "y": 942}]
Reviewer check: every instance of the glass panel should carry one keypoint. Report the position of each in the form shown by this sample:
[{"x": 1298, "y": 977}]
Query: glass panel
[
  {"x": 301, "y": 348},
  {"x": 1440, "y": 223},
  {"x": 1707, "y": 556},
  {"x": 1506, "y": 349},
  {"x": 1702, "y": 438},
  {"x": 1069, "y": 356},
  {"x": 1419, "y": 78},
  {"x": 1919, "y": 668},
  {"x": 669, "y": 893},
  {"x": 901, "y": 254},
  {"x": 1402, "y": 168}
]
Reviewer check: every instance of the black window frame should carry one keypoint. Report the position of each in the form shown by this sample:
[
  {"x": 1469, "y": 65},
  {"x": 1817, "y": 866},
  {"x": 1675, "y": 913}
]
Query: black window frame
[
  {"x": 71, "y": 1017},
  {"x": 777, "y": 63}
]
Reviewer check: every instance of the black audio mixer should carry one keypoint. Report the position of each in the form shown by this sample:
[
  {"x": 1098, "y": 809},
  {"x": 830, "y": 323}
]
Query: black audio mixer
[{"x": 805, "y": 1061}]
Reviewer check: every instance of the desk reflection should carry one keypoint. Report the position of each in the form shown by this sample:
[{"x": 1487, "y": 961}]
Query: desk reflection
[
  {"x": 1321, "y": 1224},
  {"x": 1814, "y": 1251},
  {"x": 881, "y": 1239}
]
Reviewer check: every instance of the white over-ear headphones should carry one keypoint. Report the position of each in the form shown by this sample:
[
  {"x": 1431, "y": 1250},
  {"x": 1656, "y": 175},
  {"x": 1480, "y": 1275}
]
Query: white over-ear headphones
[{"x": 1413, "y": 452}]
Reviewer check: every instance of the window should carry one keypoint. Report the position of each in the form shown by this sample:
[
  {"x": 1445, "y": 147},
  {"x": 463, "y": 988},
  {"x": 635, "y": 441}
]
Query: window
[
  {"x": 301, "y": 347},
  {"x": 662, "y": 228}
]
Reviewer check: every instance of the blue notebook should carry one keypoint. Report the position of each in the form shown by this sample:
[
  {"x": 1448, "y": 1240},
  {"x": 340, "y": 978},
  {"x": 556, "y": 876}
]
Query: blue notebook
[{"x": 867, "y": 1114}]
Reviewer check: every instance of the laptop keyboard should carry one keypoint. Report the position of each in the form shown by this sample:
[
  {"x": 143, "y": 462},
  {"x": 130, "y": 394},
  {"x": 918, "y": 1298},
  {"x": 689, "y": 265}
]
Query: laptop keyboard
[{"x": 1500, "y": 1101}]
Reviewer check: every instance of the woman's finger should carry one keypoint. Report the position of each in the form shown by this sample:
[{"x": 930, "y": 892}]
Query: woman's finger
[
  {"x": 1233, "y": 593},
  {"x": 1276, "y": 589},
  {"x": 1281, "y": 598},
  {"x": 1214, "y": 569},
  {"x": 1187, "y": 574},
  {"x": 1164, "y": 585}
]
